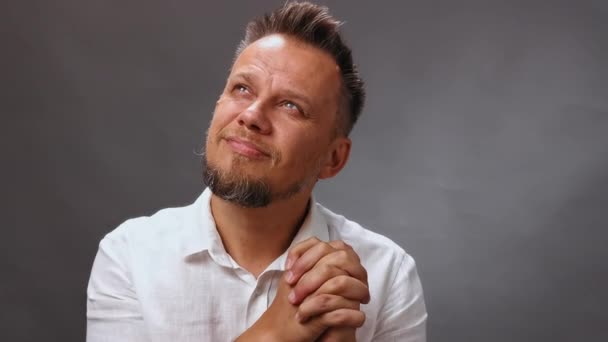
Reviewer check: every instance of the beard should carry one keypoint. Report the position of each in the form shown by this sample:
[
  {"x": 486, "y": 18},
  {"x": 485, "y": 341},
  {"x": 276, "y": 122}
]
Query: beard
[{"x": 236, "y": 187}]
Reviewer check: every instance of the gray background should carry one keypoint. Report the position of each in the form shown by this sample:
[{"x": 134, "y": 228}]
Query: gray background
[{"x": 483, "y": 150}]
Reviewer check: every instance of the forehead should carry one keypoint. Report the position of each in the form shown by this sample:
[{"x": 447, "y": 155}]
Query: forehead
[{"x": 291, "y": 62}]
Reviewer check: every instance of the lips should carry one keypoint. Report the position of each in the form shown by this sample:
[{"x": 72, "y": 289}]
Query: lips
[{"x": 246, "y": 148}]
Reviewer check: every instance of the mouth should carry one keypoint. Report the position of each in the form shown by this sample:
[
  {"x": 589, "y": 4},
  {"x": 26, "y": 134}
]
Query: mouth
[{"x": 246, "y": 148}]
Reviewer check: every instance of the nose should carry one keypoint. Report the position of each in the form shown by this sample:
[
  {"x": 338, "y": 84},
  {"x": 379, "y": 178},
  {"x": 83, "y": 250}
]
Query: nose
[{"x": 254, "y": 118}]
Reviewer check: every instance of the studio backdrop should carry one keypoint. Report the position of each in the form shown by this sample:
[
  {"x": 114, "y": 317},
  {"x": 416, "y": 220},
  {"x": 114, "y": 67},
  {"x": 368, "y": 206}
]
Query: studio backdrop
[{"x": 482, "y": 150}]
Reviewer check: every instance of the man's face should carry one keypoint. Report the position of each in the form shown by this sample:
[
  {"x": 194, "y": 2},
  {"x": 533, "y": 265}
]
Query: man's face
[{"x": 274, "y": 124}]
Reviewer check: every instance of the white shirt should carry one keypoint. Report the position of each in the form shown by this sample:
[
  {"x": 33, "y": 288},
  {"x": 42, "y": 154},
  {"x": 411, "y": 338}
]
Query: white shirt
[{"x": 168, "y": 278}]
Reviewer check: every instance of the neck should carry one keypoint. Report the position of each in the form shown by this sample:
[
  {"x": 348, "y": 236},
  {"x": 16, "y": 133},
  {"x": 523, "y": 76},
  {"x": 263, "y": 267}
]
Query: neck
[{"x": 255, "y": 237}]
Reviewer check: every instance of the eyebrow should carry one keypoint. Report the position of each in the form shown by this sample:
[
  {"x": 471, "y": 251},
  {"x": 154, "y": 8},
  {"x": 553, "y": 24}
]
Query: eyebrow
[
  {"x": 248, "y": 77},
  {"x": 297, "y": 96}
]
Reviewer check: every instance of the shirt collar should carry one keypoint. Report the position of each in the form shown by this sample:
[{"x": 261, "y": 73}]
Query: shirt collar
[{"x": 200, "y": 232}]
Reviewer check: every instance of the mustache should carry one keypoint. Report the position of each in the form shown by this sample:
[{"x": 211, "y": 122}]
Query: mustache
[{"x": 243, "y": 135}]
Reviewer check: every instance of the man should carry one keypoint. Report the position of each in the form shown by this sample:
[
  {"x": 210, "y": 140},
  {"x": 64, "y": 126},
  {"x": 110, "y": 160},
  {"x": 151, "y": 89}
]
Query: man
[{"x": 255, "y": 258}]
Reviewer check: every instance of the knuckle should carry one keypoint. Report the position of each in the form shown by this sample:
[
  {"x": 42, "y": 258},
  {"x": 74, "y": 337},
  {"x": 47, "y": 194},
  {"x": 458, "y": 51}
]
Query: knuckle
[
  {"x": 325, "y": 301},
  {"x": 339, "y": 283},
  {"x": 343, "y": 255},
  {"x": 340, "y": 317},
  {"x": 343, "y": 281},
  {"x": 327, "y": 248},
  {"x": 339, "y": 244},
  {"x": 327, "y": 271}
]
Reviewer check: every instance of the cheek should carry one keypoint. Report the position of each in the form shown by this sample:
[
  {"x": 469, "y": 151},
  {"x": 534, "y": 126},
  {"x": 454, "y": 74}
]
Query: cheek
[
  {"x": 224, "y": 113},
  {"x": 304, "y": 151}
]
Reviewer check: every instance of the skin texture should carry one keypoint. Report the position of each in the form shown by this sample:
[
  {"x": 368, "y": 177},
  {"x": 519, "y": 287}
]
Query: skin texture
[
  {"x": 285, "y": 104},
  {"x": 275, "y": 122}
]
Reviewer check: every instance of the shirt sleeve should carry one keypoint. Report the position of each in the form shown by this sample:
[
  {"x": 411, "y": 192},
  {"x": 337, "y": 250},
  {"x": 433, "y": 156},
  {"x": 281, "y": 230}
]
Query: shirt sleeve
[
  {"x": 113, "y": 310},
  {"x": 403, "y": 315}
]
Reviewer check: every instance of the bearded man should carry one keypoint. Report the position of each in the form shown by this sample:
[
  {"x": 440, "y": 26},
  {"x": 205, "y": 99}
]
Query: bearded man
[{"x": 255, "y": 258}]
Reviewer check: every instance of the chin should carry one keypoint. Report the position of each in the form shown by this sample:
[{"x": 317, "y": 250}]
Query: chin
[{"x": 241, "y": 168}]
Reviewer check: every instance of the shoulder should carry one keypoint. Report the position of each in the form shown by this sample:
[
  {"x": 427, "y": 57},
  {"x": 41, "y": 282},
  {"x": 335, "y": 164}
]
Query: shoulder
[{"x": 153, "y": 231}]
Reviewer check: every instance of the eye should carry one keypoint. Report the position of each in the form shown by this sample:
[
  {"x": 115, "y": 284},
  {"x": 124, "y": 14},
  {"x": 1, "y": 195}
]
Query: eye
[
  {"x": 292, "y": 106},
  {"x": 241, "y": 88}
]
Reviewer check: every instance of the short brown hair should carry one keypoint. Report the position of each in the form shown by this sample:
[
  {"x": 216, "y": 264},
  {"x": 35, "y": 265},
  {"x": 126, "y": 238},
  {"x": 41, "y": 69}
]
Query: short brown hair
[{"x": 314, "y": 25}]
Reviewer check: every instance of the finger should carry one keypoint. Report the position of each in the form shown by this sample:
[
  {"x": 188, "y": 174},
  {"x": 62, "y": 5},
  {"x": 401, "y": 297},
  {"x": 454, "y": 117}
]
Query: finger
[
  {"x": 299, "y": 249},
  {"x": 312, "y": 280},
  {"x": 347, "y": 287},
  {"x": 334, "y": 264},
  {"x": 302, "y": 247},
  {"x": 323, "y": 303},
  {"x": 343, "y": 318},
  {"x": 307, "y": 260},
  {"x": 348, "y": 260}
]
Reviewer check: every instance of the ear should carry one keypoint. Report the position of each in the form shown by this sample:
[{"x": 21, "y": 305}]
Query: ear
[{"x": 336, "y": 158}]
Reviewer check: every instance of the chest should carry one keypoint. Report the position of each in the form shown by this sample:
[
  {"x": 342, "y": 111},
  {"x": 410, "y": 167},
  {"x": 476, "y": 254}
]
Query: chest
[{"x": 203, "y": 301}]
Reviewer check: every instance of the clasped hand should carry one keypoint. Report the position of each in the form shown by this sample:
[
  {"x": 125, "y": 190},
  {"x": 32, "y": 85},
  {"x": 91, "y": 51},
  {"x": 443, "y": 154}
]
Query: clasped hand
[{"x": 318, "y": 297}]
